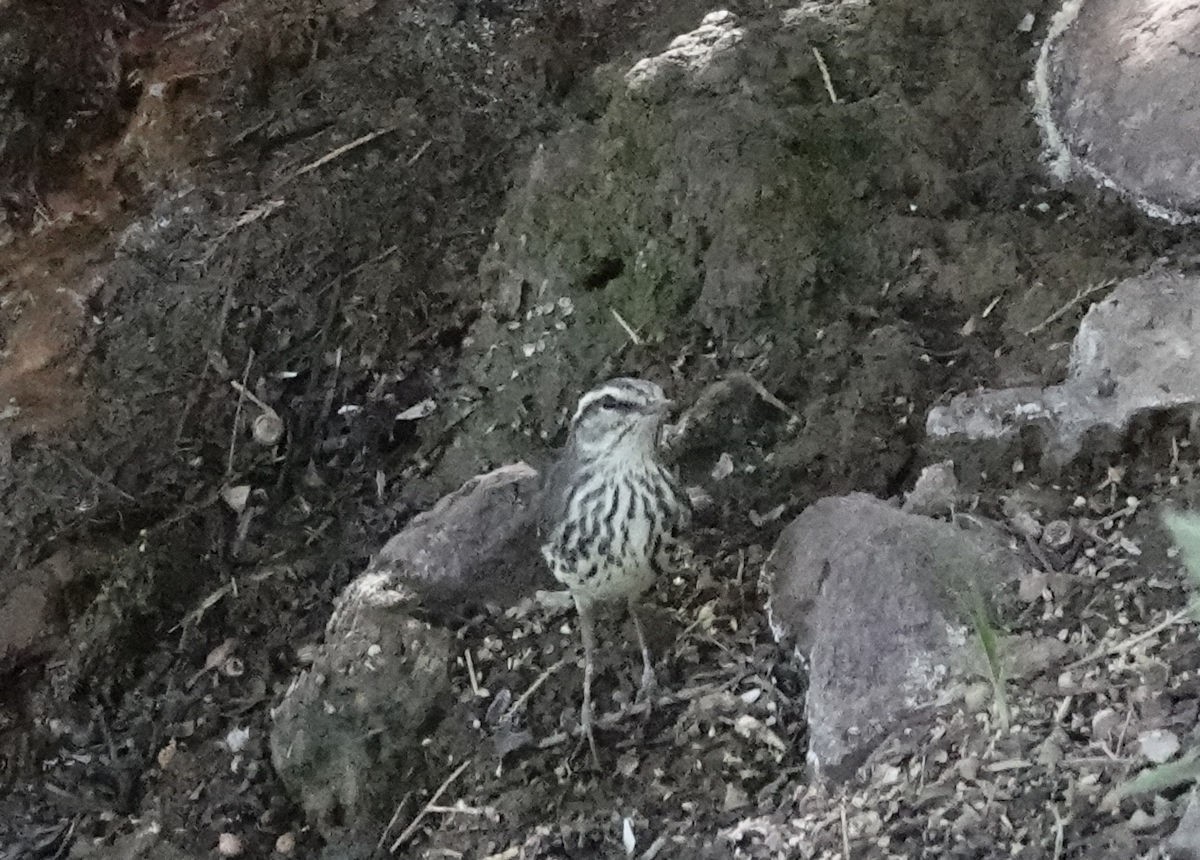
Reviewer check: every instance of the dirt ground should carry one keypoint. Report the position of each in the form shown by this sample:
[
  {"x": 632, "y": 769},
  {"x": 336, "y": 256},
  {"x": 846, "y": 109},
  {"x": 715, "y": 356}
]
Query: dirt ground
[{"x": 223, "y": 208}]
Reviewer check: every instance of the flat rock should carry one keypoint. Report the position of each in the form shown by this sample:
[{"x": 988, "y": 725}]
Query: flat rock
[
  {"x": 703, "y": 60},
  {"x": 31, "y": 623},
  {"x": 346, "y": 737},
  {"x": 1117, "y": 89},
  {"x": 1184, "y": 843},
  {"x": 870, "y": 597},
  {"x": 476, "y": 545},
  {"x": 1136, "y": 351}
]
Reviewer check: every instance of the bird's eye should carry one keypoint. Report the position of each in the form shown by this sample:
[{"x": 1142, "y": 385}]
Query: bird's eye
[{"x": 608, "y": 402}]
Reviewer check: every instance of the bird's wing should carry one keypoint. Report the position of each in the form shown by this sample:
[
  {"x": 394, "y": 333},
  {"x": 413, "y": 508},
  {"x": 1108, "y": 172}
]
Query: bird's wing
[{"x": 553, "y": 500}]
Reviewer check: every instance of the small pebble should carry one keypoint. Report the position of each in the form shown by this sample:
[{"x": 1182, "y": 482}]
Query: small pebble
[
  {"x": 286, "y": 843},
  {"x": 229, "y": 845}
]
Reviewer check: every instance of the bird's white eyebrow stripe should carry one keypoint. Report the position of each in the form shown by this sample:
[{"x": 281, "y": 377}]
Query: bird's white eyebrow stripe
[{"x": 621, "y": 395}]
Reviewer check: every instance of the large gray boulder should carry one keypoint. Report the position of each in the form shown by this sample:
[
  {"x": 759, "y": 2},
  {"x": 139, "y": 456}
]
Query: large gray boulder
[
  {"x": 346, "y": 737},
  {"x": 476, "y": 545},
  {"x": 1117, "y": 89},
  {"x": 1136, "y": 352},
  {"x": 877, "y": 603}
]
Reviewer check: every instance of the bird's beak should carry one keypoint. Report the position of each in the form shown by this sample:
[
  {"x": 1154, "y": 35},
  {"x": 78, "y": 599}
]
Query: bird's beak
[{"x": 665, "y": 406}]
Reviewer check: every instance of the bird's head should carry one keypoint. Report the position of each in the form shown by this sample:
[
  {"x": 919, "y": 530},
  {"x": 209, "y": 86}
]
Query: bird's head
[{"x": 621, "y": 415}]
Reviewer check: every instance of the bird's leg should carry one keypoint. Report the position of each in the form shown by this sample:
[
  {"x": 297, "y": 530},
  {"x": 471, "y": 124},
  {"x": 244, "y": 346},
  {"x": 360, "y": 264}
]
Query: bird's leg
[
  {"x": 588, "y": 631},
  {"x": 649, "y": 685}
]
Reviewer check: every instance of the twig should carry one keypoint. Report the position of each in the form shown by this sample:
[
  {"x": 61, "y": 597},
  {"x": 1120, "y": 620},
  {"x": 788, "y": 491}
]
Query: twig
[
  {"x": 312, "y": 424},
  {"x": 471, "y": 671},
  {"x": 1078, "y": 297},
  {"x": 340, "y": 151},
  {"x": 240, "y": 388},
  {"x": 243, "y": 392},
  {"x": 825, "y": 75},
  {"x": 462, "y": 809},
  {"x": 541, "y": 679},
  {"x": 413, "y": 160},
  {"x": 392, "y": 822},
  {"x": 845, "y": 826},
  {"x": 89, "y": 474},
  {"x": 1100, "y": 653},
  {"x": 633, "y": 335},
  {"x": 412, "y": 827},
  {"x": 761, "y": 391}
]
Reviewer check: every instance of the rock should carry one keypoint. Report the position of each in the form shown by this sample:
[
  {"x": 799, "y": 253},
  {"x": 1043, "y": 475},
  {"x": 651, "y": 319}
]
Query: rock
[
  {"x": 1184, "y": 843},
  {"x": 476, "y": 545},
  {"x": 1135, "y": 352},
  {"x": 705, "y": 59},
  {"x": 346, "y": 737},
  {"x": 934, "y": 492},
  {"x": 1158, "y": 745},
  {"x": 870, "y": 597},
  {"x": 30, "y": 623},
  {"x": 1117, "y": 91}
]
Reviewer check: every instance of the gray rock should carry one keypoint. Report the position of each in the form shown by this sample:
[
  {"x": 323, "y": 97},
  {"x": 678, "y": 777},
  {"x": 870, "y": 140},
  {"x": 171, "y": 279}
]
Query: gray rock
[
  {"x": 476, "y": 545},
  {"x": 346, "y": 737},
  {"x": 873, "y": 600},
  {"x": 704, "y": 60},
  {"x": 1136, "y": 351},
  {"x": 1184, "y": 843},
  {"x": 934, "y": 492},
  {"x": 1117, "y": 89}
]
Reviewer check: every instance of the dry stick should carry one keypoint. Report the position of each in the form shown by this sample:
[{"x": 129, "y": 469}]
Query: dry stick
[
  {"x": 335, "y": 304},
  {"x": 1170, "y": 621},
  {"x": 471, "y": 671},
  {"x": 1058, "y": 832},
  {"x": 237, "y": 412},
  {"x": 633, "y": 335},
  {"x": 412, "y": 827},
  {"x": 392, "y": 822},
  {"x": 761, "y": 391},
  {"x": 1079, "y": 296},
  {"x": 825, "y": 75},
  {"x": 92, "y": 476},
  {"x": 541, "y": 679},
  {"x": 340, "y": 151},
  {"x": 845, "y": 831}
]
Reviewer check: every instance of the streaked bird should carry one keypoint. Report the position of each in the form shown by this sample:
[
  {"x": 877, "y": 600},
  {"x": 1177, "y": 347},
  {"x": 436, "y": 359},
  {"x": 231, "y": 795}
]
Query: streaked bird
[{"x": 612, "y": 514}]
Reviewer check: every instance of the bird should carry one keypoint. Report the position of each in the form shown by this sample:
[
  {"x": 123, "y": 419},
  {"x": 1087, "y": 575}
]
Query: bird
[{"x": 612, "y": 516}]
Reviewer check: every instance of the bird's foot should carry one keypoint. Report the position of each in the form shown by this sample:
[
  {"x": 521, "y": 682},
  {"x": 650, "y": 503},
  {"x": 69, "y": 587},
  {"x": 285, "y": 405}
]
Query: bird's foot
[{"x": 585, "y": 718}]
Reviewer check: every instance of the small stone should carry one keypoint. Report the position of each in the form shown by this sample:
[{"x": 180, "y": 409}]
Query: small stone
[
  {"x": 286, "y": 843},
  {"x": 1158, "y": 745},
  {"x": 236, "y": 497},
  {"x": 977, "y": 697},
  {"x": 166, "y": 755},
  {"x": 229, "y": 845},
  {"x": 1024, "y": 524},
  {"x": 1104, "y": 723},
  {"x": 968, "y": 768},
  {"x": 724, "y": 467},
  {"x": 1057, "y": 535},
  {"x": 267, "y": 429},
  {"x": 935, "y": 491},
  {"x": 735, "y": 797}
]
